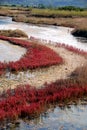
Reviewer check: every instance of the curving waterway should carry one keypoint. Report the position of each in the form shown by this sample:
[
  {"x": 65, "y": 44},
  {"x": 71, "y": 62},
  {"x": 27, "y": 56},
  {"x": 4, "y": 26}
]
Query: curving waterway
[
  {"x": 49, "y": 33},
  {"x": 72, "y": 118}
]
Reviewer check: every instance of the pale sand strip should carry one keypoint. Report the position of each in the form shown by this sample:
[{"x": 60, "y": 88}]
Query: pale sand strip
[{"x": 49, "y": 74}]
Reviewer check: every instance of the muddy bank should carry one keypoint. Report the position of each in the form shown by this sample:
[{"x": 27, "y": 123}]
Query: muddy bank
[
  {"x": 75, "y": 22},
  {"x": 79, "y": 33}
]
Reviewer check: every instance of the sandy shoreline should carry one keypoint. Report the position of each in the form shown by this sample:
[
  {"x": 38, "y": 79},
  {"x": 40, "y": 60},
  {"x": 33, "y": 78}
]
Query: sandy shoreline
[{"x": 50, "y": 74}]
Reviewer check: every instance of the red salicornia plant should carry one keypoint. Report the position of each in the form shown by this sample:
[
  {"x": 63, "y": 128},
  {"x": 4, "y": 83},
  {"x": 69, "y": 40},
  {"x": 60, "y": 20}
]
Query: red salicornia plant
[
  {"x": 26, "y": 101},
  {"x": 36, "y": 56}
]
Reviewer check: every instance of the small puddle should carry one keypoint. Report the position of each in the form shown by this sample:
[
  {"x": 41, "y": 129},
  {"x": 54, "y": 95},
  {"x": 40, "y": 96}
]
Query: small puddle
[{"x": 9, "y": 52}]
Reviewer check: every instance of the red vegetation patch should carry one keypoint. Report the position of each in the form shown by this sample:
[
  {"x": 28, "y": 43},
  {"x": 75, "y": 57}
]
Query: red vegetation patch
[
  {"x": 25, "y": 101},
  {"x": 29, "y": 102},
  {"x": 72, "y": 49},
  {"x": 36, "y": 56},
  {"x": 68, "y": 47}
]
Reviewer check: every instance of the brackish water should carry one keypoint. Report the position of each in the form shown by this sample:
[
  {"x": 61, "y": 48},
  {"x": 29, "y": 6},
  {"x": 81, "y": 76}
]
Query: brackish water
[{"x": 72, "y": 118}]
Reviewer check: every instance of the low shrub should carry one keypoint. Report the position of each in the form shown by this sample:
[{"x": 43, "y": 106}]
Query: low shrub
[
  {"x": 25, "y": 101},
  {"x": 13, "y": 33}
]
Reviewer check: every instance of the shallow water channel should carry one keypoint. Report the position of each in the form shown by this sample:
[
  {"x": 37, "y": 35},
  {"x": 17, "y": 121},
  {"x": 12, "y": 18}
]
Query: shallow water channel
[
  {"x": 50, "y": 33},
  {"x": 72, "y": 118}
]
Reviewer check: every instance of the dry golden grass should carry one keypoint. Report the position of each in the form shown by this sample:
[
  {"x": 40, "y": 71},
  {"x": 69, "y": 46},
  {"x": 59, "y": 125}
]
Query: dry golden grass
[
  {"x": 13, "y": 33},
  {"x": 77, "y": 19},
  {"x": 80, "y": 74}
]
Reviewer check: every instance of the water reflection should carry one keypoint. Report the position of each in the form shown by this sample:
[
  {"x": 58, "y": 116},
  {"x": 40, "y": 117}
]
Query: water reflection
[
  {"x": 73, "y": 118},
  {"x": 82, "y": 39}
]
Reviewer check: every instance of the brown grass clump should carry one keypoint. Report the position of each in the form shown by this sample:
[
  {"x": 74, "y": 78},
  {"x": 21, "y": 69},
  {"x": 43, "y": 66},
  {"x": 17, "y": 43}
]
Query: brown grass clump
[
  {"x": 20, "y": 18},
  {"x": 80, "y": 74},
  {"x": 13, "y": 33}
]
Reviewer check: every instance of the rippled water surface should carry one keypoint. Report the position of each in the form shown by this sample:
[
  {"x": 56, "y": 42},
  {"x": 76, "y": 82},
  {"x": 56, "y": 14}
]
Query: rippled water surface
[{"x": 73, "y": 118}]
